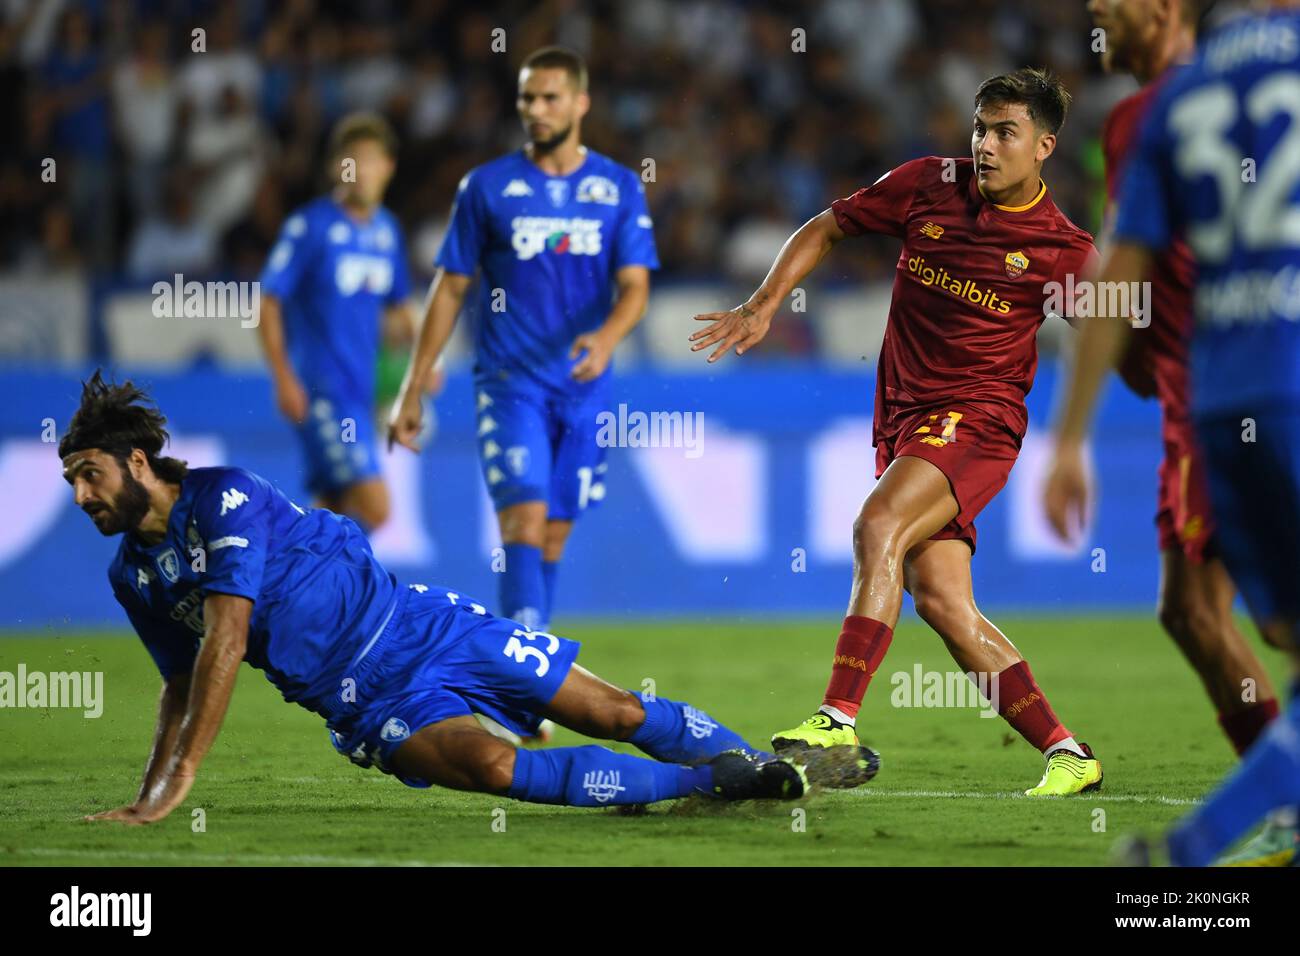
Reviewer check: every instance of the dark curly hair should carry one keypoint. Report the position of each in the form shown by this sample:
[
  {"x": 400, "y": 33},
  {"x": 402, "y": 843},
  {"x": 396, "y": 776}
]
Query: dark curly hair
[
  {"x": 117, "y": 419},
  {"x": 1043, "y": 96}
]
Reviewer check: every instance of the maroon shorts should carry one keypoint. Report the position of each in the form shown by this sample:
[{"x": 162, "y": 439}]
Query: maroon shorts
[
  {"x": 971, "y": 446},
  {"x": 1184, "y": 521}
]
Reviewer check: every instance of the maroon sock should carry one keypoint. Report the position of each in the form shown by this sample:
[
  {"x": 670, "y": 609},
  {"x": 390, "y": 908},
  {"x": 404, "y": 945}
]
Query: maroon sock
[
  {"x": 858, "y": 653},
  {"x": 1024, "y": 706},
  {"x": 1243, "y": 726}
]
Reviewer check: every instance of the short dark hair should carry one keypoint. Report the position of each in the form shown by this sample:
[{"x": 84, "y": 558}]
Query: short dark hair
[
  {"x": 559, "y": 58},
  {"x": 357, "y": 127},
  {"x": 118, "y": 419},
  {"x": 1042, "y": 94}
]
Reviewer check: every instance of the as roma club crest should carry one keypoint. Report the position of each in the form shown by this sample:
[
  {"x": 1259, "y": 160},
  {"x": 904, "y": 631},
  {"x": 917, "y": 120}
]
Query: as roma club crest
[{"x": 1016, "y": 264}]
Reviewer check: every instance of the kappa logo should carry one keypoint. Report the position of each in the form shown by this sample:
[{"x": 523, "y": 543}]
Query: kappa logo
[
  {"x": 142, "y": 578},
  {"x": 602, "y": 785},
  {"x": 1016, "y": 263},
  {"x": 598, "y": 189},
  {"x": 517, "y": 187},
  {"x": 232, "y": 499},
  {"x": 169, "y": 565},
  {"x": 931, "y": 231},
  {"x": 395, "y": 729}
]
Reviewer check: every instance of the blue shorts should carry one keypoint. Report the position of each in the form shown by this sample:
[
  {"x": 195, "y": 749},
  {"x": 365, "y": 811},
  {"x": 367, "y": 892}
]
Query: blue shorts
[
  {"x": 1255, "y": 492},
  {"x": 535, "y": 445},
  {"x": 444, "y": 656},
  {"x": 339, "y": 445}
]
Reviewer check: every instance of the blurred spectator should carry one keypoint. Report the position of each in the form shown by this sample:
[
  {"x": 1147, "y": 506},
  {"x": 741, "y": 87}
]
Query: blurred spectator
[
  {"x": 746, "y": 116},
  {"x": 144, "y": 102},
  {"x": 175, "y": 241},
  {"x": 74, "y": 102}
]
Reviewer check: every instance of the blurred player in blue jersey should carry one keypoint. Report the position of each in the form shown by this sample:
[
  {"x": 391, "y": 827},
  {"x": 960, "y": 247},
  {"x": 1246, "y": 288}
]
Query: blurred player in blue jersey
[
  {"x": 1218, "y": 163},
  {"x": 217, "y": 567},
  {"x": 336, "y": 274},
  {"x": 564, "y": 245}
]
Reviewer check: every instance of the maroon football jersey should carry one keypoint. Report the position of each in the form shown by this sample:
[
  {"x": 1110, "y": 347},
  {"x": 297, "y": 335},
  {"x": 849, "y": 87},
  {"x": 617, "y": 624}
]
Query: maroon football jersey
[
  {"x": 970, "y": 288},
  {"x": 1156, "y": 360}
]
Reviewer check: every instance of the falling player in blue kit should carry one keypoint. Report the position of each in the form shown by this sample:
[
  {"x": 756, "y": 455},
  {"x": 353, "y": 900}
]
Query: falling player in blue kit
[
  {"x": 1216, "y": 164},
  {"x": 337, "y": 271},
  {"x": 563, "y": 240},
  {"x": 216, "y": 566}
]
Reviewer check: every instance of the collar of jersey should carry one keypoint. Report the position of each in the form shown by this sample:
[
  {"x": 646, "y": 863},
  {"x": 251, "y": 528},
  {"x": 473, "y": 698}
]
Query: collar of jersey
[
  {"x": 1042, "y": 191},
  {"x": 586, "y": 157}
]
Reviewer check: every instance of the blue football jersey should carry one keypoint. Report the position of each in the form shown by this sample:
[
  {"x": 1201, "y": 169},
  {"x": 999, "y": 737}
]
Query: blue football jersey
[
  {"x": 1218, "y": 162},
  {"x": 549, "y": 248},
  {"x": 334, "y": 277},
  {"x": 320, "y": 598}
]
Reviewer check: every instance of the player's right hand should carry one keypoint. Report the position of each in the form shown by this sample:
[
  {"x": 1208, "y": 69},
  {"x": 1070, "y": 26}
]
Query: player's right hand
[
  {"x": 1065, "y": 493},
  {"x": 742, "y": 327},
  {"x": 406, "y": 420},
  {"x": 291, "y": 398}
]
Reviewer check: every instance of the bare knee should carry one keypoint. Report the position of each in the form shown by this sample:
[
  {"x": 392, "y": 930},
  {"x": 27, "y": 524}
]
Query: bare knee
[
  {"x": 614, "y": 717},
  {"x": 875, "y": 534},
  {"x": 495, "y": 773},
  {"x": 555, "y": 538},
  {"x": 946, "y": 613},
  {"x": 366, "y": 504},
  {"x": 1193, "y": 624},
  {"x": 523, "y": 524}
]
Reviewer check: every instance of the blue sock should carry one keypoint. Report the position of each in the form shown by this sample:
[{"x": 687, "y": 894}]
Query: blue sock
[
  {"x": 1268, "y": 777},
  {"x": 521, "y": 585},
  {"x": 592, "y": 776},
  {"x": 678, "y": 733},
  {"x": 549, "y": 570}
]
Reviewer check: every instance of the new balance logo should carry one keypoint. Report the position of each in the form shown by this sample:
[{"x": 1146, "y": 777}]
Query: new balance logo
[
  {"x": 517, "y": 187},
  {"x": 698, "y": 722},
  {"x": 602, "y": 785},
  {"x": 930, "y": 230},
  {"x": 232, "y": 499}
]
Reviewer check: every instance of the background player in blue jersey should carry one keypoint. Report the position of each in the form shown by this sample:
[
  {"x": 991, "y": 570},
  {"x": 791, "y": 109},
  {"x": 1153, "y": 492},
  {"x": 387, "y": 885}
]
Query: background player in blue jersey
[
  {"x": 564, "y": 245},
  {"x": 337, "y": 272},
  {"x": 216, "y": 566},
  {"x": 1217, "y": 164}
]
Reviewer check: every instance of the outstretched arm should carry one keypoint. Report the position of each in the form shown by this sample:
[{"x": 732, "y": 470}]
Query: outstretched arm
[
  {"x": 746, "y": 324},
  {"x": 187, "y": 728}
]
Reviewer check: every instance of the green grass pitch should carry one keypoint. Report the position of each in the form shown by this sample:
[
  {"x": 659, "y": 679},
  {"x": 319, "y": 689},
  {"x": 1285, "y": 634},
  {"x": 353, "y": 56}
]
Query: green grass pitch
[{"x": 274, "y": 792}]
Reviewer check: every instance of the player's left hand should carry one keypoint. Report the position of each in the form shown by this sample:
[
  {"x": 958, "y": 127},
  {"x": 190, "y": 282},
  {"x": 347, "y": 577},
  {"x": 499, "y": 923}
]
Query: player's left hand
[
  {"x": 118, "y": 815},
  {"x": 592, "y": 365},
  {"x": 1066, "y": 492}
]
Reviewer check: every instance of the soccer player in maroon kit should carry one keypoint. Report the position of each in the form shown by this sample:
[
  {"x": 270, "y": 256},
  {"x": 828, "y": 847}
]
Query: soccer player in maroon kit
[
  {"x": 982, "y": 240},
  {"x": 1149, "y": 38}
]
